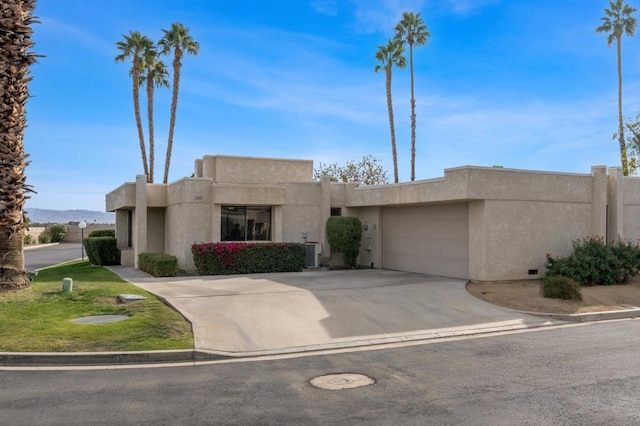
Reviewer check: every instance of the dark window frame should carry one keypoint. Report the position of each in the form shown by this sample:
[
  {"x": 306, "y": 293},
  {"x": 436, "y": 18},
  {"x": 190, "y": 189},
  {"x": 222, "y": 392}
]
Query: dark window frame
[{"x": 246, "y": 223}]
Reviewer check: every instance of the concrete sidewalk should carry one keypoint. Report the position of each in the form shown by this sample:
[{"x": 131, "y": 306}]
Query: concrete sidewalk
[{"x": 260, "y": 314}]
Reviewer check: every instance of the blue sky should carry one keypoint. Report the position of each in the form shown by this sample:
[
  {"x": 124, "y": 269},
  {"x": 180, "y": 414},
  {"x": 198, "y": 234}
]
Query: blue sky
[{"x": 518, "y": 83}]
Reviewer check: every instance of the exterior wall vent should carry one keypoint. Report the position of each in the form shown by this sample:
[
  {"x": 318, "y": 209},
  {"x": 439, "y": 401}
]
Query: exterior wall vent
[{"x": 533, "y": 272}]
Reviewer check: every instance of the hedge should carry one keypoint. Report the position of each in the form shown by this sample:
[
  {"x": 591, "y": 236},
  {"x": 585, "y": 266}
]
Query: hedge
[
  {"x": 102, "y": 250},
  {"x": 247, "y": 258},
  {"x": 158, "y": 264},
  {"x": 102, "y": 233}
]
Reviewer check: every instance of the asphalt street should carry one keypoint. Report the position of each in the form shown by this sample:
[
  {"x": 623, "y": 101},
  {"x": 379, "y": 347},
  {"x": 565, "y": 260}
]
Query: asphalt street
[
  {"x": 49, "y": 255},
  {"x": 587, "y": 374}
]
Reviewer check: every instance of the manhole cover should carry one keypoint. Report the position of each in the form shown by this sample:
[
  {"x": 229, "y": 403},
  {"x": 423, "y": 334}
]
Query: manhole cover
[{"x": 341, "y": 381}]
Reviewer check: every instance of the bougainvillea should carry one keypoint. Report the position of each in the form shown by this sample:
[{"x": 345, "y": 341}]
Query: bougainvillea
[{"x": 247, "y": 258}]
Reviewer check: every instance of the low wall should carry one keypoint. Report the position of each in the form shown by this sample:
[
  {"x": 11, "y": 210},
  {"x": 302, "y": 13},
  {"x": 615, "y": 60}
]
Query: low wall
[{"x": 74, "y": 233}]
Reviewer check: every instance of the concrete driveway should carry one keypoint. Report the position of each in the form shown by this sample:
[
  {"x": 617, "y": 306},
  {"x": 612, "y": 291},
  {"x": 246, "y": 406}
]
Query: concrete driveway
[{"x": 313, "y": 310}]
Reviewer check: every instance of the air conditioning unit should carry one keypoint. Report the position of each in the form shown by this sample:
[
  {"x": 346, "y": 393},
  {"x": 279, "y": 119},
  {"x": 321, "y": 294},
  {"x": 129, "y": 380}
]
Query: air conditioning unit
[{"x": 312, "y": 258}]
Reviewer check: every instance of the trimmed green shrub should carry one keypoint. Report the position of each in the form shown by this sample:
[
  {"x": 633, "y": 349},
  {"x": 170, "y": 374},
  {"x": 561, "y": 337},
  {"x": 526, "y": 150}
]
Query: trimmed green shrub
[
  {"x": 57, "y": 231},
  {"x": 44, "y": 237},
  {"x": 102, "y": 233},
  {"x": 247, "y": 258},
  {"x": 158, "y": 264},
  {"x": 559, "y": 287},
  {"x": 102, "y": 250},
  {"x": 344, "y": 235},
  {"x": 27, "y": 239},
  {"x": 594, "y": 261}
]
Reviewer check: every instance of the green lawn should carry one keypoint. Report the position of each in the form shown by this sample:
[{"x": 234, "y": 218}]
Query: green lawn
[{"x": 39, "y": 319}]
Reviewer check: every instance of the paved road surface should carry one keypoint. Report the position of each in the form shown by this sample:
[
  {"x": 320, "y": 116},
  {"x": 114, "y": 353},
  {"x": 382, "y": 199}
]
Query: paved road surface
[
  {"x": 42, "y": 257},
  {"x": 580, "y": 375}
]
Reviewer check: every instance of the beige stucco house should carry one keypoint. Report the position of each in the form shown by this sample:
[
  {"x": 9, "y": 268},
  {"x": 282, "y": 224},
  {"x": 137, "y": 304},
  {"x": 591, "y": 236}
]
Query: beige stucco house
[{"x": 474, "y": 223}]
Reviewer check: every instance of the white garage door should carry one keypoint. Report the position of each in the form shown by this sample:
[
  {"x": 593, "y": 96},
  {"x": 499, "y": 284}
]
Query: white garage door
[{"x": 427, "y": 239}]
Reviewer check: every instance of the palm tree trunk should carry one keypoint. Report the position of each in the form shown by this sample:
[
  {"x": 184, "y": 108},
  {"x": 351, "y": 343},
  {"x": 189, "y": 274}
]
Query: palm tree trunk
[
  {"x": 394, "y": 151},
  {"x": 15, "y": 60},
  {"x": 413, "y": 119},
  {"x": 172, "y": 120},
  {"x": 150, "y": 120},
  {"x": 136, "y": 110},
  {"x": 623, "y": 145},
  {"x": 13, "y": 275}
]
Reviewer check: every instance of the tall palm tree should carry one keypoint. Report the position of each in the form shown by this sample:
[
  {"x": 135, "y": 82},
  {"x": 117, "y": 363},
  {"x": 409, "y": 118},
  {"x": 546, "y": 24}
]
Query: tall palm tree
[
  {"x": 412, "y": 30},
  {"x": 178, "y": 40},
  {"x": 391, "y": 55},
  {"x": 134, "y": 47},
  {"x": 618, "y": 20},
  {"x": 15, "y": 61},
  {"x": 154, "y": 73}
]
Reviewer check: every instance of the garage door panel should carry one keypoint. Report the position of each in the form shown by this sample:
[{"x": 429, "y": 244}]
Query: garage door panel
[{"x": 427, "y": 239}]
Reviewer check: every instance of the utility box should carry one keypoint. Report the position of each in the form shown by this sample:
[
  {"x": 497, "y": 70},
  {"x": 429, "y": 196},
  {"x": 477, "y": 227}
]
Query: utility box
[{"x": 67, "y": 284}]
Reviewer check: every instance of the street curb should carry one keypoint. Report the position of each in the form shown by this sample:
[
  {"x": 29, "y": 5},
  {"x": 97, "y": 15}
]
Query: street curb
[
  {"x": 49, "y": 359},
  {"x": 37, "y": 246},
  {"x": 590, "y": 316},
  {"x": 86, "y": 359}
]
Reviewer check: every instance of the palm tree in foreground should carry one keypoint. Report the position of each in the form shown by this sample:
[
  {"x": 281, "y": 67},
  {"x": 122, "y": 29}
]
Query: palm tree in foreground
[
  {"x": 618, "y": 20},
  {"x": 391, "y": 55},
  {"x": 154, "y": 74},
  {"x": 178, "y": 40},
  {"x": 15, "y": 60},
  {"x": 135, "y": 46},
  {"x": 412, "y": 31}
]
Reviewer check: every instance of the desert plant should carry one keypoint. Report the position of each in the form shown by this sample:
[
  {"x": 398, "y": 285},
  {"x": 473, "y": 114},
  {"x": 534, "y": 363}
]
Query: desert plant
[
  {"x": 594, "y": 261},
  {"x": 44, "y": 238},
  {"x": 27, "y": 239},
  {"x": 344, "y": 234},
  {"x": 57, "y": 231},
  {"x": 559, "y": 287}
]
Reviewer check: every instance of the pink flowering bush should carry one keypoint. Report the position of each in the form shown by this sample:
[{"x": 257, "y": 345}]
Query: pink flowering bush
[{"x": 247, "y": 258}]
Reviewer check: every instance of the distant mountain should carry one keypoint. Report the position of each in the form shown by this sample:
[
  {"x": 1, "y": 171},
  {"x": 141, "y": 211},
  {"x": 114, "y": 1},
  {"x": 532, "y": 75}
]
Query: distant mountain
[{"x": 66, "y": 216}]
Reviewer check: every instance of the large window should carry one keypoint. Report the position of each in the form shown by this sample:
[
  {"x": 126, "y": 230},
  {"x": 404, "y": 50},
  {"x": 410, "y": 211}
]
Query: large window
[{"x": 239, "y": 223}]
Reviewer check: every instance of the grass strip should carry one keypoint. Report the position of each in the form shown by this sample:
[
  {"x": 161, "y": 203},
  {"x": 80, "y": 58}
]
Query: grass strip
[{"x": 39, "y": 319}]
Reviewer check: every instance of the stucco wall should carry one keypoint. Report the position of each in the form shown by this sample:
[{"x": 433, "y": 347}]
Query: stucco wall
[
  {"x": 631, "y": 208},
  {"x": 122, "y": 197},
  {"x": 508, "y": 238},
  {"x": 371, "y": 243},
  {"x": 302, "y": 212},
  {"x": 229, "y": 169},
  {"x": 186, "y": 224}
]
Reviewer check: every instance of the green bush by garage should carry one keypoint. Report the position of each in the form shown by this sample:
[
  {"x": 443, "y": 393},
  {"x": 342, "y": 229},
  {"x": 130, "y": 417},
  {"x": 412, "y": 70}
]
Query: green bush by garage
[{"x": 158, "y": 264}]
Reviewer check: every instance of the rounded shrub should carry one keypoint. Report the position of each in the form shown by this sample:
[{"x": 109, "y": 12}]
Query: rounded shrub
[{"x": 559, "y": 287}]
